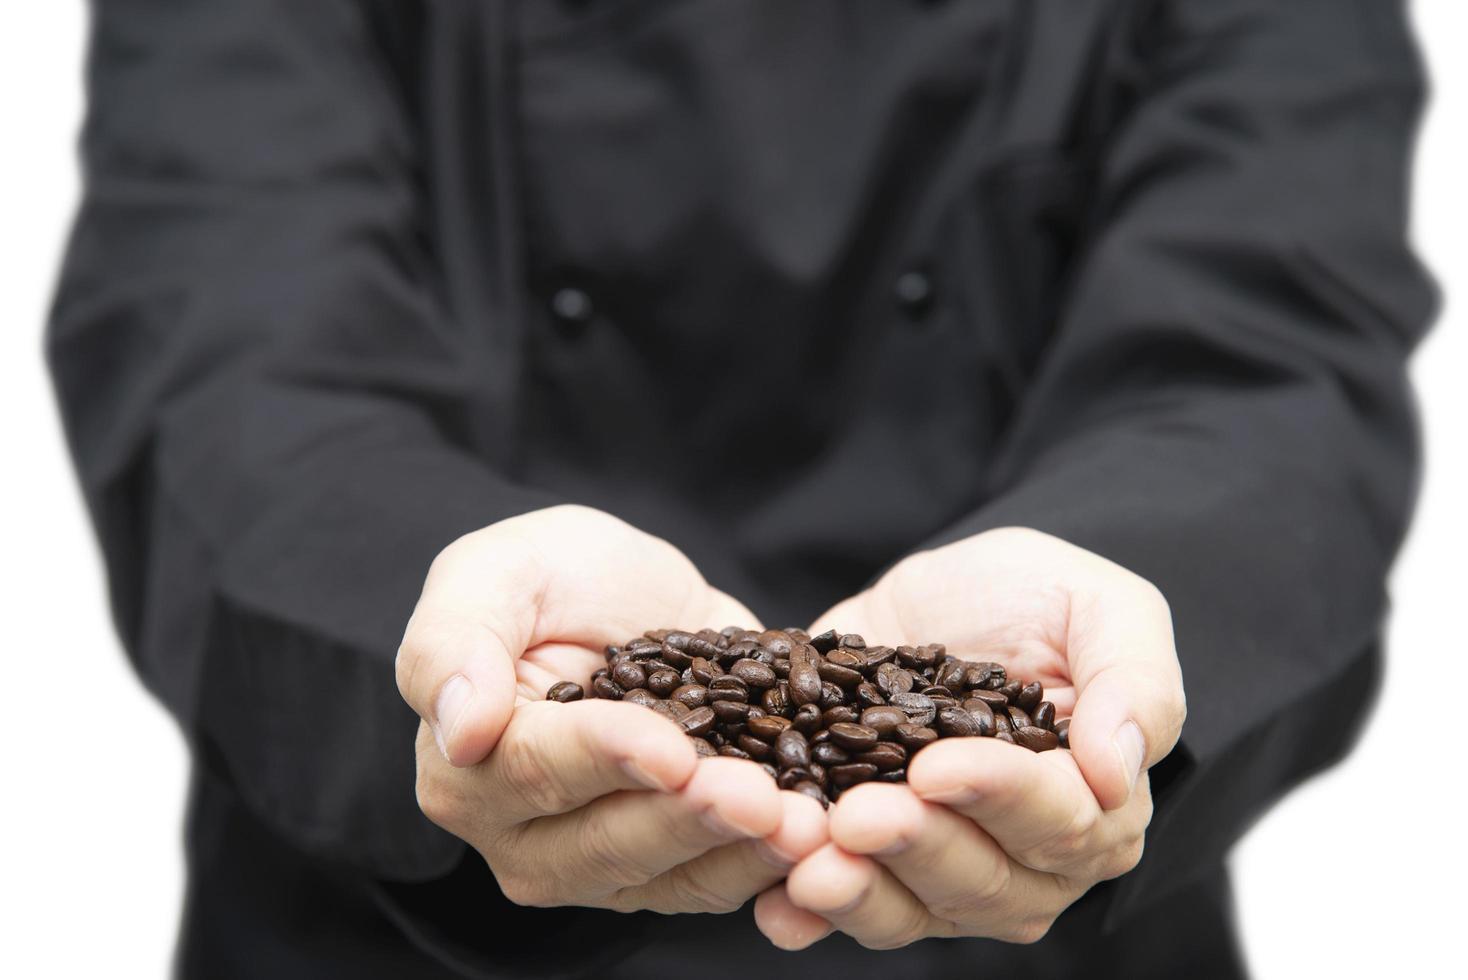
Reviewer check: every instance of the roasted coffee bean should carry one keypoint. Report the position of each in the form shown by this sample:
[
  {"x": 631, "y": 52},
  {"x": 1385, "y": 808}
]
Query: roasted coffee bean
[
  {"x": 807, "y": 718},
  {"x": 874, "y": 657},
  {"x": 728, "y": 688},
  {"x": 950, "y": 675},
  {"x": 976, "y": 676},
  {"x": 846, "y": 658},
  {"x": 702, "y": 646},
  {"x": 1004, "y": 737},
  {"x": 1019, "y": 717},
  {"x": 628, "y": 675},
  {"x": 640, "y": 695},
  {"x": 777, "y": 700},
  {"x": 814, "y": 792},
  {"x": 883, "y": 719},
  {"x": 767, "y": 728},
  {"x": 1044, "y": 715},
  {"x": 853, "y": 738},
  {"x": 565, "y": 692},
  {"x": 702, "y": 748},
  {"x": 831, "y": 695},
  {"x": 919, "y": 708},
  {"x": 670, "y": 710},
  {"x": 895, "y": 776},
  {"x": 982, "y": 714},
  {"x": 674, "y": 657},
  {"x": 677, "y": 639},
  {"x": 892, "y": 679},
  {"x": 1036, "y": 739},
  {"x": 1062, "y": 732},
  {"x": 914, "y": 737},
  {"x": 606, "y": 688},
  {"x": 754, "y": 673},
  {"x": 839, "y": 675},
  {"x": 886, "y": 756},
  {"x": 825, "y": 642},
  {"x": 770, "y": 770},
  {"x": 818, "y": 774},
  {"x": 699, "y": 721},
  {"x": 1011, "y": 690},
  {"x": 829, "y": 754},
  {"x": 853, "y": 641},
  {"x": 787, "y": 778},
  {"x": 733, "y": 752},
  {"x": 1002, "y": 725},
  {"x": 957, "y": 723},
  {"x": 756, "y": 748},
  {"x": 792, "y": 750},
  {"x": 663, "y": 682},
  {"x": 843, "y": 712},
  {"x": 730, "y": 712},
  {"x": 805, "y": 683},
  {"x": 821, "y": 736},
  {"x": 693, "y": 695},
  {"x": 868, "y": 696},
  {"x": 1030, "y": 695},
  {"x": 994, "y": 699},
  {"x": 778, "y": 642},
  {"x": 703, "y": 671},
  {"x": 852, "y": 773}
]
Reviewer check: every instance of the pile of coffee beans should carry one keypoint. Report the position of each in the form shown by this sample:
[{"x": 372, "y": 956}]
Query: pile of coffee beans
[{"x": 819, "y": 713}]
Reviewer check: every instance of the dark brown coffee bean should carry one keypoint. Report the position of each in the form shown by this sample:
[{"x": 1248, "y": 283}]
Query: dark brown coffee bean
[
  {"x": 831, "y": 695},
  {"x": 733, "y": 752},
  {"x": 886, "y": 756},
  {"x": 778, "y": 642},
  {"x": 777, "y": 700},
  {"x": 730, "y": 712},
  {"x": 703, "y": 670},
  {"x": 605, "y": 687},
  {"x": 565, "y": 692},
  {"x": 1036, "y": 739},
  {"x": 951, "y": 675},
  {"x": 677, "y": 639},
  {"x": 1030, "y": 695},
  {"x": 853, "y": 641},
  {"x": 914, "y": 737},
  {"x": 868, "y": 696},
  {"x": 663, "y": 682},
  {"x": 693, "y": 695},
  {"x": 675, "y": 658},
  {"x": 1062, "y": 732},
  {"x": 640, "y": 696},
  {"x": 993, "y": 699},
  {"x": 836, "y": 674},
  {"x": 808, "y": 718},
  {"x": 1011, "y": 690},
  {"x": 825, "y": 642},
  {"x": 874, "y": 657},
  {"x": 884, "y": 719},
  {"x": 628, "y": 675},
  {"x": 699, "y": 721},
  {"x": 1019, "y": 717},
  {"x": 728, "y": 692},
  {"x": 1004, "y": 736},
  {"x": 843, "y": 712},
  {"x": 805, "y": 683},
  {"x": 892, "y": 679},
  {"x": 1044, "y": 715},
  {"x": 767, "y": 728},
  {"x": 754, "y": 673},
  {"x": 895, "y": 776},
  {"x": 702, "y": 645},
  {"x": 787, "y": 778},
  {"x": 702, "y": 748},
  {"x": 919, "y": 708},
  {"x": 957, "y": 723},
  {"x": 814, "y": 792},
  {"x": 852, "y": 773},
  {"x": 982, "y": 714},
  {"x": 976, "y": 676},
  {"x": 670, "y": 710},
  {"x": 756, "y": 748},
  {"x": 829, "y": 754},
  {"x": 792, "y": 750},
  {"x": 846, "y": 658},
  {"x": 1002, "y": 725},
  {"x": 821, "y": 736},
  {"x": 853, "y": 738}
]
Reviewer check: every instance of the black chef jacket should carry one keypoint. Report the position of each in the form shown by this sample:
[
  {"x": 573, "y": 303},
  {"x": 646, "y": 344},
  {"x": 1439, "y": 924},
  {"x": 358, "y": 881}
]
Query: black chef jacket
[{"x": 801, "y": 287}]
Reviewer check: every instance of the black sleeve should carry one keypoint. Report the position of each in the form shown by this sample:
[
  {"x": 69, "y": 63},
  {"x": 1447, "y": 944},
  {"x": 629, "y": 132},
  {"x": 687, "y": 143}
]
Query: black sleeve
[
  {"x": 267, "y": 403},
  {"x": 1224, "y": 405}
]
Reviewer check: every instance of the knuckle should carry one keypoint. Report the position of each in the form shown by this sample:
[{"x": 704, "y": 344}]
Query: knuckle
[
  {"x": 978, "y": 901},
  {"x": 526, "y": 891},
  {"x": 438, "y": 803},
  {"x": 1028, "y": 931},
  {"x": 691, "y": 893},
  {"x": 540, "y": 786},
  {"x": 603, "y": 857},
  {"x": 908, "y": 931},
  {"x": 1123, "y": 859},
  {"x": 1071, "y": 844}
]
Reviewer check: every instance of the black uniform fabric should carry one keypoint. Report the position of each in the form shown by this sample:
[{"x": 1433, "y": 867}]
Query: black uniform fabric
[{"x": 801, "y": 287}]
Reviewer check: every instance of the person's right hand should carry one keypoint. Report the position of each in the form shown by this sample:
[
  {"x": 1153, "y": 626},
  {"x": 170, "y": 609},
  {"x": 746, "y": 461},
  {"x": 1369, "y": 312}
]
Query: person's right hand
[{"x": 592, "y": 803}]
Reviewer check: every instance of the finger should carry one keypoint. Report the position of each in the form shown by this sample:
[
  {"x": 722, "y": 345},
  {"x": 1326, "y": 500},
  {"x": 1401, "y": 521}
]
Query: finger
[
  {"x": 1130, "y": 705},
  {"x": 952, "y": 867},
  {"x": 785, "y": 924},
  {"x": 554, "y": 758},
  {"x": 860, "y": 898},
  {"x": 724, "y": 878},
  {"x": 1035, "y": 805},
  {"x": 629, "y": 839}
]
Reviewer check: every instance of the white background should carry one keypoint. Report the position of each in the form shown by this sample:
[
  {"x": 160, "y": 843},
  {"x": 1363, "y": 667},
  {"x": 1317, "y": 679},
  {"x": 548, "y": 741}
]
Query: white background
[{"x": 1357, "y": 874}]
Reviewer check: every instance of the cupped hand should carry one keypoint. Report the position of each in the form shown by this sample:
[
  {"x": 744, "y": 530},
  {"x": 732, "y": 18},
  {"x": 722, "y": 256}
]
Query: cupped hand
[
  {"x": 591, "y": 803},
  {"x": 987, "y": 838}
]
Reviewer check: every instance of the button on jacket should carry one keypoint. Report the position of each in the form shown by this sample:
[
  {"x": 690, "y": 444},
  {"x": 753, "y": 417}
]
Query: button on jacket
[{"x": 352, "y": 278}]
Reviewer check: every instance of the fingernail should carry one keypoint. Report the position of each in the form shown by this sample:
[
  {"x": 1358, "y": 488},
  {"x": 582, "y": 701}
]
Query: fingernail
[
  {"x": 773, "y": 856},
  {"x": 1132, "y": 749},
  {"x": 954, "y": 796},
  {"x": 448, "y": 711},
  {"x": 641, "y": 775},
  {"x": 726, "y": 827}
]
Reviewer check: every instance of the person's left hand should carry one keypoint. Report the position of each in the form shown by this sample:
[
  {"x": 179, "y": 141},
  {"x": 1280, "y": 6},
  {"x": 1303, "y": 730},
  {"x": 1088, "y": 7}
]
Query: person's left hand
[{"x": 987, "y": 838}]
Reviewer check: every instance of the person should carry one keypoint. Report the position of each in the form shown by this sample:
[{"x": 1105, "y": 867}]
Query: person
[{"x": 1042, "y": 330}]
